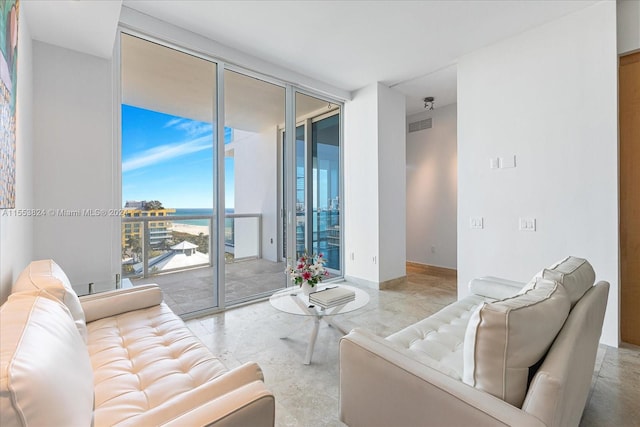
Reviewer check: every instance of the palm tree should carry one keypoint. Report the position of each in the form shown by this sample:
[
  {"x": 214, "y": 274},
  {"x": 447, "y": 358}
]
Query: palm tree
[
  {"x": 153, "y": 205},
  {"x": 136, "y": 249}
]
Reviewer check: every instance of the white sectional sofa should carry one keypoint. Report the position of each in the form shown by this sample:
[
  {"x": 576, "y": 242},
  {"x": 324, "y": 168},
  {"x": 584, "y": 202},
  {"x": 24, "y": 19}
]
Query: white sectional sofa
[
  {"x": 506, "y": 355},
  {"x": 119, "y": 358}
]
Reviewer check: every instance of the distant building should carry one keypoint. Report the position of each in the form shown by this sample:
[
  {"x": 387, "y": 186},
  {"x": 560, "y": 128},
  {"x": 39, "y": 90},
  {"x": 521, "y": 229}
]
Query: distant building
[
  {"x": 159, "y": 231},
  {"x": 185, "y": 247},
  {"x": 134, "y": 204},
  {"x": 182, "y": 255}
]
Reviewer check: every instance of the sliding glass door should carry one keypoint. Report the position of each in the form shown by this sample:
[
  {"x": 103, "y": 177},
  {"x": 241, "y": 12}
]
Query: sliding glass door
[
  {"x": 254, "y": 113},
  {"x": 325, "y": 192},
  {"x": 206, "y": 174},
  {"x": 318, "y": 180},
  {"x": 168, "y": 137}
]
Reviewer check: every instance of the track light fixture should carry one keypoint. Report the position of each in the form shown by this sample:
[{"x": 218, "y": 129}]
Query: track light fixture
[{"x": 429, "y": 103}]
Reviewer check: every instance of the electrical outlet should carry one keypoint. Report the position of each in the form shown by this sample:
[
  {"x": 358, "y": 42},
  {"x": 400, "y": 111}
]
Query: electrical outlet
[
  {"x": 527, "y": 224},
  {"x": 476, "y": 222}
]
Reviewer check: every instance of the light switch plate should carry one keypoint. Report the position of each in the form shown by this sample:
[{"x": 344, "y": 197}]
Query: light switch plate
[{"x": 507, "y": 162}]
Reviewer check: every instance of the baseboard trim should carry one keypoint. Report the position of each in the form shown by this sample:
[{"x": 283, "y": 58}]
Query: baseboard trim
[
  {"x": 432, "y": 269},
  {"x": 362, "y": 282},
  {"x": 390, "y": 284},
  {"x": 387, "y": 284}
]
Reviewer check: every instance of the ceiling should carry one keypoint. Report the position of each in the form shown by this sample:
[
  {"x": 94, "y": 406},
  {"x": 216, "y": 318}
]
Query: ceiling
[
  {"x": 161, "y": 79},
  {"x": 410, "y": 45}
]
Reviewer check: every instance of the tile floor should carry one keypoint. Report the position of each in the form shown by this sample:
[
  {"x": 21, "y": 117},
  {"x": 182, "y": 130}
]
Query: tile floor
[
  {"x": 192, "y": 290},
  {"x": 308, "y": 395}
]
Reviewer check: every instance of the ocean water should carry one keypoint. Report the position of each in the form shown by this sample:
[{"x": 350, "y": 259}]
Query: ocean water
[{"x": 196, "y": 211}]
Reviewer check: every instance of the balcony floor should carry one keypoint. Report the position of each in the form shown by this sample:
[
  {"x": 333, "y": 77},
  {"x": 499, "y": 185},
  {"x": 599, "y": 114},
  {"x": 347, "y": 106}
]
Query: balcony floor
[{"x": 192, "y": 290}]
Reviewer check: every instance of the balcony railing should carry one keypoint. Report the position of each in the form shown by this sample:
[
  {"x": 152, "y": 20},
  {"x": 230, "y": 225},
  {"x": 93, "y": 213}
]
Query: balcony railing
[{"x": 150, "y": 246}]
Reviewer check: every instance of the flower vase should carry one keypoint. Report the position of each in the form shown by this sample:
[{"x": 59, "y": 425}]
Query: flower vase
[{"x": 306, "y": 288}]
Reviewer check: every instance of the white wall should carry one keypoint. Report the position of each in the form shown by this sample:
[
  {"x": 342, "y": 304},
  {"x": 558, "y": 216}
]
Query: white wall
[
  {"x": 628, "y": 25},
  {"x": 73, "y": 161},
  {"x": 432, "y": 188},
  {"x": 16, "y": 233},
  {"x": 361, "y": 185},
  {"x": 256, "y": 188},
  {"x": 392, "y": 184},
  {"x": 374, "y": 185},
  {"x": 549, "y": 96}
]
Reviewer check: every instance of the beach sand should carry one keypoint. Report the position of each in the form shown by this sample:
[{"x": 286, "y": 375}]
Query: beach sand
[{"x": 190, "y": 229}]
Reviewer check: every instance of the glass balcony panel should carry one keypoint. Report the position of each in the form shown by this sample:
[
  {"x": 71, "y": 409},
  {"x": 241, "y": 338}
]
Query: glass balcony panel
[
  {"x": 132, "y": 250},
  {"x": 243, "y": 237},
  {"x": 178, "y": 258}
]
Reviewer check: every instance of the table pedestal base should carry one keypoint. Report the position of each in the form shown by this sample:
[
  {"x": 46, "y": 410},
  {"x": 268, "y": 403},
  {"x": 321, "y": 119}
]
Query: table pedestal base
[
  {"x": 293, "y": 301},
  {"x": 317, "y": 317}
]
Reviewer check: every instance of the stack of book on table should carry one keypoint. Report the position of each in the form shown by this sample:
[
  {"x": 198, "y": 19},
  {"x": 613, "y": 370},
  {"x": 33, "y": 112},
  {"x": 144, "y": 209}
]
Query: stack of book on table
[{"x": 332, "y": 297}]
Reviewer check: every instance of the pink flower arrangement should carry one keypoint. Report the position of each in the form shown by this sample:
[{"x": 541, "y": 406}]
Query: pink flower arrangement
[{"x": 309, "y": 268}]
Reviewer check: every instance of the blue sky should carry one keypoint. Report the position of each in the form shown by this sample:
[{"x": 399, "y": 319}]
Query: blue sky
[{"x": 170, "y": 159}]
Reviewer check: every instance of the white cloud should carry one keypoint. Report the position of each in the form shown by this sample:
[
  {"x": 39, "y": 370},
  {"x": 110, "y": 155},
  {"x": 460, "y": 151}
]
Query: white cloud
[
  {"x": 172, "y": 122},
  {"x": 191, "y": 127},
  {"x": 166, "y": 152}
]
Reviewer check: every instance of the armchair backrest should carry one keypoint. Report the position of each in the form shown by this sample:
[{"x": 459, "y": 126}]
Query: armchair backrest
[{"x": 558, "y": 392}]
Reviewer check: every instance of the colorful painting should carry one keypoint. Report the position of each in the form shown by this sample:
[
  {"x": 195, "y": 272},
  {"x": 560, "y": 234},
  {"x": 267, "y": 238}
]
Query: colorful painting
[{"x": 8, "y": 81}]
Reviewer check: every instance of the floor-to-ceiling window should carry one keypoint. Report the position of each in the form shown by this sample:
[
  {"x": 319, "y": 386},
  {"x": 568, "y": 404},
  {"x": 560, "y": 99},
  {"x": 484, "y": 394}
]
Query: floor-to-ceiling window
[
  {"x": 325, "y": 160},
  {"x": 318, "y": 179},
  {"x": 168, "y": 168},
  {"x": 205, "y": 205},
  {"x": 254, "y": 111}
]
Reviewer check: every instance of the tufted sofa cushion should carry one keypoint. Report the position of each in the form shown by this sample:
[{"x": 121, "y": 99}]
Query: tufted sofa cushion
[
  {"x": 46, "y": 274},
  {"x": 438, "y": 340},
  {"x": 142, "y": 360},
  {"x": 45, "y": 372},
  {"x": 504, "y": 338}
]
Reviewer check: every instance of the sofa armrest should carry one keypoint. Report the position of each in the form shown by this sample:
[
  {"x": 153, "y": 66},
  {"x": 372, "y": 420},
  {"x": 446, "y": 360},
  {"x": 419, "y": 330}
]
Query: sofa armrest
[
  {"x": 494, "y": 287},
  {"x": 111, "y": 303},
  {"x": 251, "y": 405},
  {"x": 383, "y": 385},
  {"x": 235, "y": 399}
]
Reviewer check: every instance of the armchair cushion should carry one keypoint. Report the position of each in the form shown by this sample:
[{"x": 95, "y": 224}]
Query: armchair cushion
[
  {"x": 46, "y": 274},
  {"x": 504, "y": 338},
  {"x": 438, "y": 340},
  {"x": 576, "y": 275}
]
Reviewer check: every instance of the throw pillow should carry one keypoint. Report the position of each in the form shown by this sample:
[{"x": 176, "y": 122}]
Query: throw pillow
[
  {"x": 504, "y": 338},
  {"x": 47, "y": 275}
]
